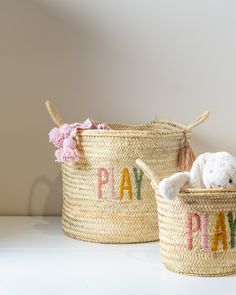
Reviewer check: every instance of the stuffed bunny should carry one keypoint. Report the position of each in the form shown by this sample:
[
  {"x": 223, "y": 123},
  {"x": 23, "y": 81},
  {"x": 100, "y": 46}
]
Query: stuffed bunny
[{"x": 209, "y": 170}]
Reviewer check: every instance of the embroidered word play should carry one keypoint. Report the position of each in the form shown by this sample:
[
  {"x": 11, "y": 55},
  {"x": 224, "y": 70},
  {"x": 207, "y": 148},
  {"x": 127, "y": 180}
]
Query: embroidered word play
[
  {"x": 106, "y": 177},
  {"x": 199, "y": 223}
]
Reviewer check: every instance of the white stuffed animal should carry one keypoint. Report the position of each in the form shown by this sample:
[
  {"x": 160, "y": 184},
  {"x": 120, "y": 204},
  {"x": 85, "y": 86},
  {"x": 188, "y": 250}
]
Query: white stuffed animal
[{"x": 209, "y": 170}]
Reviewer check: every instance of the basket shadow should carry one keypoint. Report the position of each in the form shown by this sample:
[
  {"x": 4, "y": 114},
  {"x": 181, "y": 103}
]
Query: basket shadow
[
  {"x": 53, "y": 197},
  {"x": 49, "y": 227}
]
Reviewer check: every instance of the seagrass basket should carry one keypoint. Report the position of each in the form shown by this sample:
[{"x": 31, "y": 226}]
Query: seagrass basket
[
  {"x": 105, "y": 196},
  {"x": 197, "y": 230}
]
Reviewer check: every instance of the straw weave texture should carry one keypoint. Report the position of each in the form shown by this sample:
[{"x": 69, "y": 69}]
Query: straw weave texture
[
  {"x": 106, "y": 210},
  {"x": 106, "y": 220},
  {"x": 173, "y": 232}
]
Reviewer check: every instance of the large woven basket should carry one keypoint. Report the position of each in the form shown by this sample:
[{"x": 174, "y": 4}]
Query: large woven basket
[
  {"x": 105, "y": 197},
  {"x": 197, "y": 230}
]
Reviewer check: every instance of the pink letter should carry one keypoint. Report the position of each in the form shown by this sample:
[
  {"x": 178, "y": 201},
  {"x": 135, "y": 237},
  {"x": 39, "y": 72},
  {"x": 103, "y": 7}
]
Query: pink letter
[
  {"x": 204, "y": 238},
  {"x": 111, "y": 180},
  {"x": 190, "y": 229},
  {"x": 102, "y": 179}
]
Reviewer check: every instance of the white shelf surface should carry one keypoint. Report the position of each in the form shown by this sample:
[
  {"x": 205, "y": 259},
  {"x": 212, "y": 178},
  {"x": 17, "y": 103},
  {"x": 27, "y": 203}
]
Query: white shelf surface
[{"x": 37, "y": 258}]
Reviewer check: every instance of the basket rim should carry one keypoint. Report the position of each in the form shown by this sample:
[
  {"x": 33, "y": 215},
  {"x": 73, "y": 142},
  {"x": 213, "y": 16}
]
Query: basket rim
[
  {"x": 132, "y": 130},
  {"x": 193, "y": 193},
  {"x": 206, "y": 190},
  {"x": 217, "y": 192}
]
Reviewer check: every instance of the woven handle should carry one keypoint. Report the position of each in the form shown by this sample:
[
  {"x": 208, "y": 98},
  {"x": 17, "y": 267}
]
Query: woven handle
[
  {"x": 186, "y": 154},
  {"x": 53, "y": 112},
  {"x": 198, "y": 121},
  {"x": 148, "y": 172}
]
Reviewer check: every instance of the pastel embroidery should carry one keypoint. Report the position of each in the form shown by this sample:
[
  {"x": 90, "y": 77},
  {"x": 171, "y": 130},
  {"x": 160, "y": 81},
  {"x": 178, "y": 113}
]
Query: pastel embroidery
[
  {"x": 125, "y": 184},
  {"x": 204, "y": 233},
  {"x": 232, "y": 225},
  {"x": 219, "y": 233},
  {"x": 102, "y": 179},
  {"x": 111, "y": 180},
  {"x": 108, "y": 177},
  {"x": 192, "y": 218},
  {"x": 138, "y": 181}
]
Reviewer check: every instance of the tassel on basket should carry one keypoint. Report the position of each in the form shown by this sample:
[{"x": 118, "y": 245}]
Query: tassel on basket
[{"x": 186, "y": 156}]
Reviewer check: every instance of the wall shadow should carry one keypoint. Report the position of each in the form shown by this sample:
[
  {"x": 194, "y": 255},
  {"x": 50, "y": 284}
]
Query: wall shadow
[{"x": 54, "y": 198}]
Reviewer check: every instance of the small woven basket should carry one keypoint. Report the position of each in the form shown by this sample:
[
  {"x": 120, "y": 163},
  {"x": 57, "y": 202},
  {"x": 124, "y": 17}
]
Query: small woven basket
[
  {"x": 105, "y": 197},
  {"x": 197, "y": 230}
]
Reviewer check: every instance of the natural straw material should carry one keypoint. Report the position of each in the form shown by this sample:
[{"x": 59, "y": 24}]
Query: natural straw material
[
  {"x": 105, "y": 197},
  {"x": 197, "y": 230},
  {"x": 186, "y": 155}
]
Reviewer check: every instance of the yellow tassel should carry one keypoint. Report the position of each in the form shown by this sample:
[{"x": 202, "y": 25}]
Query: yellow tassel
[{"x": 186, "y": 155}]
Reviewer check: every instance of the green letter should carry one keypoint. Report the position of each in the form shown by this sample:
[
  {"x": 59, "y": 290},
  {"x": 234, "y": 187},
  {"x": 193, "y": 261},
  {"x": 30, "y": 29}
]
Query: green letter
[
  {"x": 232, "y": 225},
  {"x": 138, "y": 181}
]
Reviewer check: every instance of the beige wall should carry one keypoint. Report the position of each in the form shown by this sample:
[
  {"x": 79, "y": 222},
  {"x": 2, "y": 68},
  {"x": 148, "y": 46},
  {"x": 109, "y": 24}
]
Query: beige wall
[{"x": 125, "y": 60}]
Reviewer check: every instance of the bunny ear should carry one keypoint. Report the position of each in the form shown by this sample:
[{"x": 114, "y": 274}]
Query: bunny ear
[{"x": 196, "y": 173}]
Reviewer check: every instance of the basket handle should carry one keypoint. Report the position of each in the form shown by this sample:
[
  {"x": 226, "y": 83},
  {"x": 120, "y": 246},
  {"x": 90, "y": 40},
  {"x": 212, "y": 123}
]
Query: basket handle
[
  {"x": 198, "y": 121},
  {"x": 53, "y": 112},
  {"x": 148, "y": 172},
  {"x": 186, "y": 154}
]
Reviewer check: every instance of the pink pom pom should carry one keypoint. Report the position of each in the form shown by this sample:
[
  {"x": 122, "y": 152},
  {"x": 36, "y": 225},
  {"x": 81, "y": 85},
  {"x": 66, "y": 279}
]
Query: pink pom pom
[
  {"x": 56, "y": 137},
  {"x": 58, "y": 155},
  {"x": 67, "y": 155},
  {"x": 69, "y": 143},
  {"x": 63, "y": 139},
  {"x": 73, "y": 133},
  {"x": 103, "y": 127},
  {"x": 65, "y": 130}
]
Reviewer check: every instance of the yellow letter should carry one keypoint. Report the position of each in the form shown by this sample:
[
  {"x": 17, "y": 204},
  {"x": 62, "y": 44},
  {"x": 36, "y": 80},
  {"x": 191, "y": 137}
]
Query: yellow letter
[
  {"x": 219, "y": 233},
  {"x": 125, "y": 184}
]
